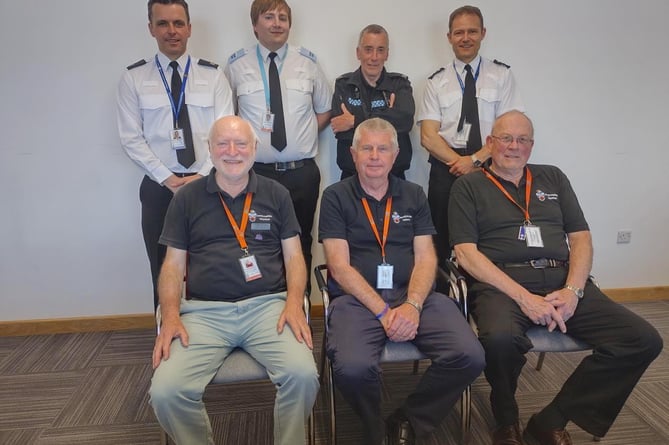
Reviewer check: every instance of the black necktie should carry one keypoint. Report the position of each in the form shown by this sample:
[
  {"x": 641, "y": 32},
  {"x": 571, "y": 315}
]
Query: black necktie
[
  {"x": 470, "y": 113},
  {"x": 185, "y": 156},
  {"x": 276, "y": 106}
]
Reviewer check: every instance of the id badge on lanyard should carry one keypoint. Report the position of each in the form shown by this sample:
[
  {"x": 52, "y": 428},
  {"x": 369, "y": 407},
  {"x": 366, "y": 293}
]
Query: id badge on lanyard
[
  {"x": 384, "y": 271},
  {"x": 247, "y": 262},
  {"x": 177, "y": 139}
]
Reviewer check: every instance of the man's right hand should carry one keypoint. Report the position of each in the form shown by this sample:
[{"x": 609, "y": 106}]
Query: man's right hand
[
  {"x": 541, "y": 312},
  {"x": 344, "y": 122},
  {"x": 169, "y": 330},
  {"x": 174, "y": 182}
]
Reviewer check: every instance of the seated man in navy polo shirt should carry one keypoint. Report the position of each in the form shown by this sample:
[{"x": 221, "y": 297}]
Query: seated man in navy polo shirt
[
  {"x": 235, "y": 236},
  {"x": 519, "y": 231},
  {"x": 377, "y": 233}
]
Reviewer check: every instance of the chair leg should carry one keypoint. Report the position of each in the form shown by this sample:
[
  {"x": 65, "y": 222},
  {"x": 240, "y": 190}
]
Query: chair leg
[
  {"x": 416, "y": 363},
  {"x": 331, "y": 391},
  {"x": 466, "y": 414},
  {"x": 540, "y": 362},
  {"x": 311, "y": 429},
  {"x": 163, "y": 437}
]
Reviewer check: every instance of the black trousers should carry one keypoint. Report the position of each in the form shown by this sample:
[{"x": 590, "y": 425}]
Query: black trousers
[
  {"x": 354, "y": 344},
  {"x": 155, "y": 199},
  {"x": 624, "y": 345},
  {"x": 438, "y": 193},
  {"x": 304, "y": 185}
]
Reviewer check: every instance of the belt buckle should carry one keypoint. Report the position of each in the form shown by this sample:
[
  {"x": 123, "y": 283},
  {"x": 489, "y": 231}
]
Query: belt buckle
[
  {"x": 540, "y": 263},
  {"x": 280, "y": 166}
]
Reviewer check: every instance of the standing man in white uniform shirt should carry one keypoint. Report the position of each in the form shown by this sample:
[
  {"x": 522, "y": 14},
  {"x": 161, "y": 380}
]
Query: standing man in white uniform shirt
[
  {"x": 288, "y": 131},
  {"x": 451, "y": 135},
  {"x": 165, "y": 135}
]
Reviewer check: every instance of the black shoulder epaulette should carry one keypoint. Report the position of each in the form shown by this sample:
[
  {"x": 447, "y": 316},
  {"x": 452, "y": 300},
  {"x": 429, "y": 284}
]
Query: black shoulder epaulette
[
  {"x": 403, "y": 76},
  {"x": 345, "y": 75},
  {"x": 136, "y": 64},
  {"x": 207, "y": 63},
  {"x": 436, "y": 72},
  {"x": 500, "y": 63}
]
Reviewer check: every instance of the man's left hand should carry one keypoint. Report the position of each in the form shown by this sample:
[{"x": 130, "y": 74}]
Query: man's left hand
[
  {"x": 405, "y": 324},
  {"x": 564, "y": 301},
  {"x": 294, "y": 316}
]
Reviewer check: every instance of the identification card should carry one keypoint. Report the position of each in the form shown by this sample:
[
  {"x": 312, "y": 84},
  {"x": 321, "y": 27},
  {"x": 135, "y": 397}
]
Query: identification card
[
  {"x": 250, "y": 268},
  {"x": 177, "y": 139},
  {"x": 521, "y": 233},
  {"x": 533, "y": 236},
  {"x": 384, "y": 276},
  {"x": 267, "y": 121},
  {"x": 463, "y": 135}
]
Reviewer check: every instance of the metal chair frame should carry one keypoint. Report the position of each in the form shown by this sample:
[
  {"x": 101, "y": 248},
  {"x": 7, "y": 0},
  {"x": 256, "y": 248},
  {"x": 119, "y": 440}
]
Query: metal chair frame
[
  {"x": 392, "y": 353},
  {"x": 241, "y": 367}
]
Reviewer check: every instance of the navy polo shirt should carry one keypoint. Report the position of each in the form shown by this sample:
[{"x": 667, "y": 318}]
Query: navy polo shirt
[
  {"x": 479, "y": 213},
  {"x": 196, "y": 222},
  {"x": 343, "y": 217}
]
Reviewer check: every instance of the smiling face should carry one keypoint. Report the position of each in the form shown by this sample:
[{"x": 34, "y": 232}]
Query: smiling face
[
  {"x": 232, "y": 147},
  {"x": 374, "y": 154},
  {"x": 372, "y": 52},
  {"x": 465, "y": 36},
  {"x": 272, "y": 28},
  {"x": 170, "y": 27},
  {"x": 509, "y": 158}
]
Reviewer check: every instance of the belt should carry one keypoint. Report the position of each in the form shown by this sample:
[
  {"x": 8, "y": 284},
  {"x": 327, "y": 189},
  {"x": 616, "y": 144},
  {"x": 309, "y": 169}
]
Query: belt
[
  {"x": 539, "y": 263},
  {"x": 183, "y": 175},
  {"x": 282, "y": 166}
]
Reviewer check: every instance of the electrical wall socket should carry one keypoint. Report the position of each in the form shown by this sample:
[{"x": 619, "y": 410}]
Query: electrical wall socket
[{"x": 624, "y": 236}]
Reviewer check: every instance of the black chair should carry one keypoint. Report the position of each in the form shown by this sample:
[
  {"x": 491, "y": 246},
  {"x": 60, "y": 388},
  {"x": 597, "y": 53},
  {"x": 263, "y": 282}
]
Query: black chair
[{"x": 393, "y": 352}]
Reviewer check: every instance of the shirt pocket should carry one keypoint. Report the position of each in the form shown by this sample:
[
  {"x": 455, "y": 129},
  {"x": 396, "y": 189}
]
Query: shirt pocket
[
  {"x": 298, "y": 93},
  {"x": 489, "y": 102},
  {"x": 450, "y": 104},
  {"x": 201, "y": 100}
]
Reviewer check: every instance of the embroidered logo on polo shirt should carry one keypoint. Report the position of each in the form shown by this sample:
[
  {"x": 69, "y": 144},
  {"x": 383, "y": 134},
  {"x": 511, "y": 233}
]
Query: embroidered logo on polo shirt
[
  {"x": 397, "y": 218},
  {"x": 260, "y": 222},
  {"x": 541, "y": 196}
]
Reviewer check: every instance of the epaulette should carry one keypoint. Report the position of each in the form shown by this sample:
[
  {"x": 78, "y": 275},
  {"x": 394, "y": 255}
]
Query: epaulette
[
  {"x": 400, "y": 75},
  {"x": 236, "y": 56},
  {"x": 136, "y": 64},
  {"x": 308, "y": 54},
  {"x": 345, "y": 75},
  {"x": 207, "y": 63},
  {"x": 500, "y": 63},
  {"x": 436, "y": 72}
]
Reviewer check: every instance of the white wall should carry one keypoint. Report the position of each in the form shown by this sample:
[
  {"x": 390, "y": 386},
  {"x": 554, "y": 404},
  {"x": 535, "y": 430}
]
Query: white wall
[{"x": 593, "y": 76}]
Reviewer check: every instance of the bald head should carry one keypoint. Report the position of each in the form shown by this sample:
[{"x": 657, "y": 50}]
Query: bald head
[{"x": 513, "y": 115}]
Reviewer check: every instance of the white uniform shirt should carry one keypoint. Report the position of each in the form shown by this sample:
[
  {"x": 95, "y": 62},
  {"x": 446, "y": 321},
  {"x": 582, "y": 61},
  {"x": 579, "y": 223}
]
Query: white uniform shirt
[
  {"x": 145, "y": 117},
  {"x": 304, "y": 92},
  {"x": 496, "y": 94}
]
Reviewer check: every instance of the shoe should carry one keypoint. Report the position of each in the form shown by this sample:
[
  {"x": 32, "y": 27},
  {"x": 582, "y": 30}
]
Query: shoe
[
  {"x": 507, "y": 435},
  {"x": 399, "y": 430},
  {"x": 535, "y": 436}
]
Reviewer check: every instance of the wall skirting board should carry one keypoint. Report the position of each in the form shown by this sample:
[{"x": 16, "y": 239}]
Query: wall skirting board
[{"x": 145, "y": 321}]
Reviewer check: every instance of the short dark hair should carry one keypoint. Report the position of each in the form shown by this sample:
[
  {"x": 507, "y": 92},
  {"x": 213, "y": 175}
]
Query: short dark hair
[
  {"x": 462, "y": 10},
  {"x": 168, "y": 2},
  {"x": 261, "y": 6}
]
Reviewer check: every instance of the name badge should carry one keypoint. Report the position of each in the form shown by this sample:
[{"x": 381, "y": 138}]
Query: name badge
[
  {"x": 267, "y": 121},
  {"x": 463, "y": 135},
  {"x": 533, "y": 236},
  {"x": 177, "y": 139},
  {"x": 250, "y": 268},
  {"x": 384, "y": 276}
]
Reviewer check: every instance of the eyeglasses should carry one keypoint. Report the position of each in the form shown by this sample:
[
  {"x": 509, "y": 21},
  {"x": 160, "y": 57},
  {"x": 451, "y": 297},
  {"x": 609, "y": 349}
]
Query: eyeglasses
[{"x": 507, "y": 139}]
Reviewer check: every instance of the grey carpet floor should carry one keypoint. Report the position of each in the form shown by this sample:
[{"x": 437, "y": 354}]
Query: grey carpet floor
[{"x": 91, "y": 388}]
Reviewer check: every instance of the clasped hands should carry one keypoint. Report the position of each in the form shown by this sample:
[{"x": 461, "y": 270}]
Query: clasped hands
[
  {"x": 401, "y": 323},
  {"x": 551, "y": 311}
]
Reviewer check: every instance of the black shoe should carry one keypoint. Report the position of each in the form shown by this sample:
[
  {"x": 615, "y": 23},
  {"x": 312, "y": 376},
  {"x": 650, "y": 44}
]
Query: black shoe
[{"x": 399, "y": 430}]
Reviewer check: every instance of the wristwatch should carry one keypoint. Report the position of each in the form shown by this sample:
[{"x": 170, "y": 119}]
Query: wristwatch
[
  {"x": 476, "y": 161},
  {"x": 576, "y": 290},
  {"x": 416, "y": 306}
]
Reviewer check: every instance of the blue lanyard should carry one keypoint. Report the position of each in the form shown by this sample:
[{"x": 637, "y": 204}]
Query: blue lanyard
[
  {"x": 175, "y": 108},
  {"x": 263, "y": 73},
  {"x": 476, "y": 76}
]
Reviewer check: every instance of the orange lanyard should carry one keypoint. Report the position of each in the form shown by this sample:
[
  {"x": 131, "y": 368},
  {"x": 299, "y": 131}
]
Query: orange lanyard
[
  {"x": 386, "y": 224},
  {"x": 528, "y": 189},
  {"x": 239, "y": 231}
]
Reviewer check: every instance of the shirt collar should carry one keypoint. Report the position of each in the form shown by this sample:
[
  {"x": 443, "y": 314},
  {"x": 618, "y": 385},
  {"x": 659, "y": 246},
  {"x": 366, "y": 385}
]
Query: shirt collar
[
  {"x": 212, "y": 187},
  {"x": 165, "y": 61},
  {"x": 393, "y": 187},
  {"x": 460, "y": 66},
  {"x": 280, "y": 53}
]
